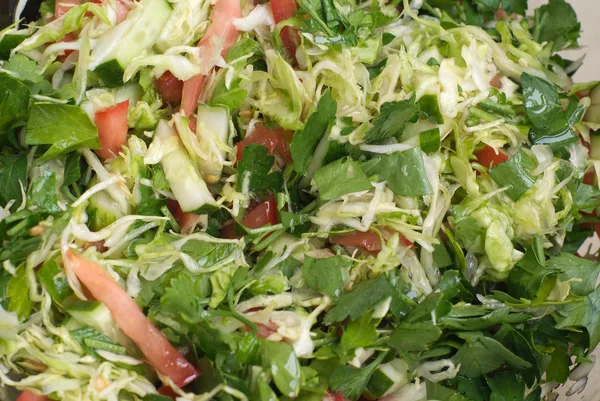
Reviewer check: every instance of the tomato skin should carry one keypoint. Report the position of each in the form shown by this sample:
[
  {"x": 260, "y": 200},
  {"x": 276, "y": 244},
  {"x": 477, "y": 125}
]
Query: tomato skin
[
  {"x": 169, "y": 88},
  {"x": 61, "y": 7},
  {"x": 488, "y": 157},
  {"x": 129, "y": 317},
  {"x": 282, "y": 10},
  {"x": 368, "y": 241},
  {"x": 275, "y": 140},
  {"x": 262, "y": 214},
  {"x": 27, "y": 395},
  {"x": 222, "y": 16},
  {"x": 187, "y": 221},
  {"x": 112, "y": 129}
]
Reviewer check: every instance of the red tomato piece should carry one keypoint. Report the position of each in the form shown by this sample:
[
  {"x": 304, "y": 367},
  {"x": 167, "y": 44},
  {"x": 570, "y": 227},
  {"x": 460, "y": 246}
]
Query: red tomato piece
[
  {"x": 61, "y": 7},
  {"x": 130, "y": 318},
  {"x": 221, "y": 25},
  {"x": 31, "y": 396},
  {"x": 368, "y": 241},
  {"x": 187, "y": 221},
  {"x": 112, "y": 129},
  {"x": 169, "y": 87},
  {"x": 228, "y": 231},
  {"x": 262, "y": 214},
  {"x": 488, "y": 157},
  {"x": 275, "y": 140},
  {"x": 282, "y": 10}
]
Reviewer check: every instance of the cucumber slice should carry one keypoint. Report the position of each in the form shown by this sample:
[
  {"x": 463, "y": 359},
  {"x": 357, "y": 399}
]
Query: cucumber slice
[
  {"x": 189, "y": 188},
  {"x": 212, "y": 130},
  {"x": 96, "y": 315},
  {"x": 103, "y": 211},
  {"x": 595, "y": 146},
  {"x": 116, "y": 48},
  {"x": 388, "y": 377}
]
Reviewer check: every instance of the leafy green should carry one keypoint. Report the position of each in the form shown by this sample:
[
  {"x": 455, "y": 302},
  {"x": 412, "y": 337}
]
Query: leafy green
[
  {"x": 404, "y": 172},
  {"x": 185, "y": 294},
  {"x": 52, "y": 277},
  {"x": 306, "y": 140},
  {"x": 325, "y": 275},
  {"x": 430, "y": 108},
  {"x": 556, "y": 22},
  {"x": 429, "y": 141},
  {"x": 514, "y": 174},
  {"x": 583, "y": 273},
  {"x": 361, "y": 332},
  {"x": 351, "y": 381},
  {"x": 343, "y": 176},
  {"x": 507, "y": 387},
  {"x": 42, "y": 193},
  {"x": 392, "y": 120},
  {"x": 481, "y": 355},
  {"x": 583, "y": 314},
  {"x": 14, "y": 101},
  {"x": 363, "y": 297},
  {"x": 280, "y": 358},
  {"x": 64, "y": 127},
  {"x": 254, "y": 167},
  {"x": 414, "y": 336},
  {"x": 13, "y": 175},
  {"x": 18, "y": 293}
]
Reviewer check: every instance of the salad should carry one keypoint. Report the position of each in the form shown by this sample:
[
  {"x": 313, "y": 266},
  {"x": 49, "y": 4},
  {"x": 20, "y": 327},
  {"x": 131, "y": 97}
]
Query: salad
[{"x": 312, "y": 200}]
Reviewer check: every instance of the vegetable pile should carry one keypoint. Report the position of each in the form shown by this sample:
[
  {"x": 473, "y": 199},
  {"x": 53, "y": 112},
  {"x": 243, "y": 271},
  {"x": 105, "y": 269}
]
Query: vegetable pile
[{"x": 312, "y": 200}]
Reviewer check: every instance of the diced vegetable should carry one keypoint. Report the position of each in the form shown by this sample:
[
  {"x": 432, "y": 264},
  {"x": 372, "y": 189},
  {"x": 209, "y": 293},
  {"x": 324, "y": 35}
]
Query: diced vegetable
[{"x": 112, "y": 129}]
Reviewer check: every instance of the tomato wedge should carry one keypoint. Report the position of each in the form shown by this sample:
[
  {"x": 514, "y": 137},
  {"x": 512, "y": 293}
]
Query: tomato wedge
[
  {"x": 169, "y": 88},
  {"x": 275, "y": 140},
  {"x": 129, "y": 317},
  {"x": 368, "y": 241},
  {"x": 31, "y": 396},
  {"x": 187, "y": 221},
  {"x": 256, "y": 216},
  {"x": 488, "y": 157},
  {"x": 122, "y": 9},
  {"x": 221, "y": 25},
  {"x": 61, "y": 7},
  {"x": 282, "y": 10},
  {"x": 112, "y": 129}
]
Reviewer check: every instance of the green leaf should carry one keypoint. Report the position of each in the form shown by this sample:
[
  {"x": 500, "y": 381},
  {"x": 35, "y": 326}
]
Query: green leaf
[
  {"x": 208, "y": 254},
  {"x": 585, "y": 313},
  {"x": 507, "y": 387},
  {"x": 14, "y": 101},
  {"x": 343, "y": 176},
  {"x": 24, "y": 68},
  {"x": 514, "y": 174},
  {"x": 53, "y": 278},
  {"x": 231, "y": 97},
  {"x": 556, "y": 22},
  {"x": 430, "y": 108},
  {"x": 392, "y": 120},
  {"x": 13, "y": 175},
  {"x": 351, "y": 381},
  {"x": 558, "y": 368},
  {"x": 8, "y": 43},
  {"x": 184, "y": 294},
  {"x": 64, "y": 127},
  {"x": 429, "y": 141},
  {"x": 280, "y": 358},
  {"x": 72, "y": 169},
  {"x": 583, "y": 273},
  {"x": 359, "y": 333},
  {"x": 519, "y": 345},
  {"x": 440, "y": 393},
  {"x": 481, "y": 355},
  {"x": 414, "y": 336},
  {"x": 325, "y": 275},
  {"x": 514, "y": 6},
  {"x": 305, "y": 141},
  {"x": 18, "y": 293},
  {"x": 527, "y": 276},
  {"x": 254, "y": 168},
  {"x": 363, "y": 297},
  {"x": 403, "y": 171},
  {"x": 42, "y": 193}
]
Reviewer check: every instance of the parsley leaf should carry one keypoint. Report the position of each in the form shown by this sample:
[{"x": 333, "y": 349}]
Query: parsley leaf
[
  {"x": 583, "y": 314},
  {"x": 42, "y": 193},
  {"x": 184, "y": 294},
  {"x": 280, "y": 358},
  {"x": 359, "y": 333},
  {"x": 514, "y": 174},
  {"x": 414, "y": 336},
  {"x": 392, "y": 119},
  {"x": 556, "y": 22},
  {"x": 351, "y": 381},
  {"x": 325, "y": 275},
  {"x": 13, "y": 174},
  {"x": 305, "y": 141},
  {"x": 363, "y": 297},
  {"x": 14, "y": 101},
  {"x": 507, "y": 386},
  {"x": 18, "y": 293},
  {"x": 254, "y": 167},
  {"x": 403, "y": 171},
  {"x": 343, "y": 176},
  {"x": 64, "y": 127},
  {"x": 583, "y": 272}
]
